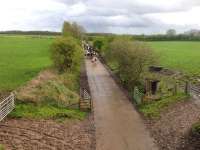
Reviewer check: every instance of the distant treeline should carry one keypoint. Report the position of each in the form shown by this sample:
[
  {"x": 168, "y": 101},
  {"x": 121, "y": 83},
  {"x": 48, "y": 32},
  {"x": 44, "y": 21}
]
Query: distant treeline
[
  {"x": 158, "y": 37},
  {"x": 99, "y": 34},
  {"x": 179, "y": 37},
  {"x": 30, "y": 33}
]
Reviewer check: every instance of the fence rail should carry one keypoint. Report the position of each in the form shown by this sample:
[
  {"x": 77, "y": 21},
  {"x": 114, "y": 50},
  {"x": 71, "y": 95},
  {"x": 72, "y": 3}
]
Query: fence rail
[
  {"x": 195, "y": 91},
  {"x": 191, "y": 89},
  {"x": 6, "y": 106}
]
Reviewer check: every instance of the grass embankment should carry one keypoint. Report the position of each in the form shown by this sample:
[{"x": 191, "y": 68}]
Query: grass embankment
[
  {"x": 182, "y": 56},
  {"x": 45, "y": 111},
  {"x": 153, "y": 109},
  {"x": 47, "y": 96},
  {"x": 22, "y": 58},
  {"x": 2, "y": 147}
]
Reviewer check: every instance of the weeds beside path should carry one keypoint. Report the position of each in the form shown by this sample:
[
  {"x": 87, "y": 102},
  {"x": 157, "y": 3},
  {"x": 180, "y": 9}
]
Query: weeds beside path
[{"x": 155, "y": 108}]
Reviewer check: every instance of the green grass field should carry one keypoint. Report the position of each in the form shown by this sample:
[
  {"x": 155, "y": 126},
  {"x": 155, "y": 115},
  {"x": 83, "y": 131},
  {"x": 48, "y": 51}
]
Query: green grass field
[
  {"x": 21, "y": 58},
  {"x": 183, "y": 56}
]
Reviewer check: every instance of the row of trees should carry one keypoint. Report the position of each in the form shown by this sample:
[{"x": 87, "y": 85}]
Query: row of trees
[
  {"x": 30, "y": 32},
  {"x": 171, "y": 35},
  {"x": 191, "y": 33},
  {"x": 160, "y": 37}
]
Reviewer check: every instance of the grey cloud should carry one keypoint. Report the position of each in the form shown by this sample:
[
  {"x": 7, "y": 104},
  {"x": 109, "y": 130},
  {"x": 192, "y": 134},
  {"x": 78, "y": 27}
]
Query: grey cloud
[
  {"x": 118, "y": 16},
  {"x": 136, "y": 7},
  {"x": 69, "y": 2},
  {"x": 99, "y": 14}
]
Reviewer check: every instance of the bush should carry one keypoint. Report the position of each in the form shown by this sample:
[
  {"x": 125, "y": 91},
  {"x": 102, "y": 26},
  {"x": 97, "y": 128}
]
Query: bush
[
  {"x": 98, "y": 44},
  {"x": 196, "y": 128},
  {"x": 63, "y": 52},
  {"x": 131, "y": 59}
]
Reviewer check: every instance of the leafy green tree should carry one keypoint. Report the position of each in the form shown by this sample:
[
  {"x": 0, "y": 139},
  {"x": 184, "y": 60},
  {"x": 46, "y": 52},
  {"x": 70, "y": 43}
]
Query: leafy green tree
[
  {"x": 98, "y": 44},
  {"x": 63, "y": 53},
  {"x": 131, "y": 60}
]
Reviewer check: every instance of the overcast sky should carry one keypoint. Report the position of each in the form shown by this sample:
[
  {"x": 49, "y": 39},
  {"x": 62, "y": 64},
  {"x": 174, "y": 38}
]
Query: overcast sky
[{"x": 116, "y": 16}]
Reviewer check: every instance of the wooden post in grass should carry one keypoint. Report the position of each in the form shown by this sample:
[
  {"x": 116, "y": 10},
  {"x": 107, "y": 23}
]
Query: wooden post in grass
[
  {"x": 175, "y": 89},
  {"x": 187, "y": 88}
]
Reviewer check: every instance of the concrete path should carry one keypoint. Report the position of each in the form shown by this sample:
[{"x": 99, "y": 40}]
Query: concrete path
[{"x": 118, "y": 125}]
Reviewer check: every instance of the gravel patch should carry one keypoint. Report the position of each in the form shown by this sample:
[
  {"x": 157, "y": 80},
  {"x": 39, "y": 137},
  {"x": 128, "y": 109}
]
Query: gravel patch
[{"x": 171, "y": 130}]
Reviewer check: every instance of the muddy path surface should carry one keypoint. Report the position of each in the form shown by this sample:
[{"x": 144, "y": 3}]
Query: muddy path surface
[
  {"x": 118, "y": 125},
  {"x": 23, "y": 134}
]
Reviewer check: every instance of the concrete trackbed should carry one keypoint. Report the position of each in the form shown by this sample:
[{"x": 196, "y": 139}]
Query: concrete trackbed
[{"x": 118, "y": 124}]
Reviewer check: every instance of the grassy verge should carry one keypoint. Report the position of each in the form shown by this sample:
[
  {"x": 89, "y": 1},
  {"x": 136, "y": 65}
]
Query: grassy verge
[
  {"x": 45, "y": 111},
  {"x": 152, "y": 110},
  {"x": 2, "y": 147},
  {"x": 49, "y": 96}
]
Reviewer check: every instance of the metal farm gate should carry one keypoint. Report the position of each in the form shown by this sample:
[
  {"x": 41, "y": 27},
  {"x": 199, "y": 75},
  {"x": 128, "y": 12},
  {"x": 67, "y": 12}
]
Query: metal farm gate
[
  {"x": 195, "y": 92},
  {"x": 6, "y": 106},
  {"x": 85, "y": 102}
]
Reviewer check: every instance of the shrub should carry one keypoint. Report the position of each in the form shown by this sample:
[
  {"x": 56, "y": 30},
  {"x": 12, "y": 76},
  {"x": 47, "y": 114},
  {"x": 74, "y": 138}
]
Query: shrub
[
  {"x": 131, "y": 59},
  {"x": 98, "y": 44},
  {"x": 196, "y": 128},
  {"x": 63, "y": 52}
]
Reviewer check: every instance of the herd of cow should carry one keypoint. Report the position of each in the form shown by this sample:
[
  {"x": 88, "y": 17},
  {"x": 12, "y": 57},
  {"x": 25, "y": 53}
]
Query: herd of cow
[{"x": 90, "y": 52}]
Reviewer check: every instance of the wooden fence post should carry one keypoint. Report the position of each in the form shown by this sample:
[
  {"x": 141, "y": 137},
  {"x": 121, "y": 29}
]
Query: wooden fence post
[
  {"x": 187, "y": 88},
  {"x": 175, "y": 89}
]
